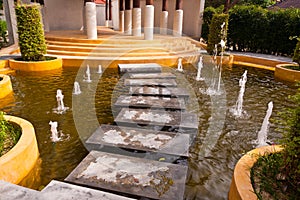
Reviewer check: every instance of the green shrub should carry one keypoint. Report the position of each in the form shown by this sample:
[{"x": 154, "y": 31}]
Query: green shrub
[
  {"x": 296, "y": 57},
  {"x": 3, "y": 29},
  {"x": 31, "y": 34},
  {"x": 217, "y": 33}
]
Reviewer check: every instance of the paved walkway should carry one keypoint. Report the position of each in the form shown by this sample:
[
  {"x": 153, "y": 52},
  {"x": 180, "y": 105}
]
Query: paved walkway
[{"x": 266, "y": 56}]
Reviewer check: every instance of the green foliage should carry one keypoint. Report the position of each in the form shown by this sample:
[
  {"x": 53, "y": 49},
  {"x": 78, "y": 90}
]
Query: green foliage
[
  {"x": 217, "y": 32},
  {"x": 296, "y": 57},
  {"x": 207, "y": 17},
  {"x": 31, "y": 34},
  {"x": 3, "y": 29},
  {"x": 9, "y": 134}
]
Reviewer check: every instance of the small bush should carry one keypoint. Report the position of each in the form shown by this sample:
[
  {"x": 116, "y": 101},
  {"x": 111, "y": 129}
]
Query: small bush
[
  {"x": 3, "y": 30},
  {"x": 31, "y": 34},
  {"x": 217, "y": 33},
  {"x": 296, "y": 57}
]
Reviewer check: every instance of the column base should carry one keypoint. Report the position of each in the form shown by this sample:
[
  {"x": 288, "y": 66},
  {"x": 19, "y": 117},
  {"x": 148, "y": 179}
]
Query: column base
[{"x": 121, "y": 21}]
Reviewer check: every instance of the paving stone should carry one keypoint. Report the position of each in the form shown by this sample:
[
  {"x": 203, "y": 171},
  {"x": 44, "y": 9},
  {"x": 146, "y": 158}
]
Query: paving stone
[
  {"x": 136, "y": 176},
  {"x": 161, "y": 142},
  {"x": 159, "y": 91},
  {"x": 151, "y": 82},
  {"x": 147, "y": 117},
  {"x": 139, "y": 68},
  {"x": 60, "y": 190},
  {"x": 9, "y": 191},
  {"x": 151, "y": 102},
  {"x": 165, "y": 75}
]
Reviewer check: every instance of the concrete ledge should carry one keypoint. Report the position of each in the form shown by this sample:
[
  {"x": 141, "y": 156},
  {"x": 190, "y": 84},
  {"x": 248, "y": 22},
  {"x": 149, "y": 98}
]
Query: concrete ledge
[
  {"x": 20, "y": 160},
  {"x": 36, "y": 66},
  {"x": 241, "y": 187},
  {"x": 5, "y": 86},
  {"x": 285, "y": 74}
]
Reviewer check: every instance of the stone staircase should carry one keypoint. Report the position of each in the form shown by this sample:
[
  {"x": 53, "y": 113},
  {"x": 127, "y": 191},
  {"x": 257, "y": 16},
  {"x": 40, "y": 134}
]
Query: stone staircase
[{"x": 123, "y": 48}]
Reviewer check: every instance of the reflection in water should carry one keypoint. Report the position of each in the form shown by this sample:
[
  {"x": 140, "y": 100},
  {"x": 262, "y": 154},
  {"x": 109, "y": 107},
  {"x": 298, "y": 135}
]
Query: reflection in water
[{"x": 221, "y": 140}]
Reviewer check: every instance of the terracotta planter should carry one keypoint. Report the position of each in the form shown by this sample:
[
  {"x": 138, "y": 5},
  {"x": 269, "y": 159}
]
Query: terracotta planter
[
  {"x": 241, "y": 187},
  {"x": 20, "y": 160},
  {"x": 285, "y": 74},
  {"x": 36, "y": 66},
  {"x": 5, "y": 86}
]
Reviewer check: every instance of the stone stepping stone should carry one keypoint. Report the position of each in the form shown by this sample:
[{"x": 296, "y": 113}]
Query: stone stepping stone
[
  {"x": 9, "y": 191},
  {"x": 151, "y": 82},
  {"x": 148, "y": 117},
  {"x": 159, "y": 91},
  {"x": 151, "y": 102},
  {"x": 139, "y": 68},
  {"x": 135, "y": 176},
  {"x": 166, "y": 75},
  {"x": 60, "y": 190},
  {"x": 161, "y": 142}
]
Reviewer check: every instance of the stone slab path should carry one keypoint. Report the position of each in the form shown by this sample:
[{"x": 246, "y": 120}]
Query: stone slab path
[
  {"x": 162, "y": 75},
  {"x": 139, "y": 68},
  {"x": 151, "y": 82},
  {"x": 162, "y": 142},
  {"x": 135, "y": 176},
  {"x": 153, "y": 102},
  {"x": 159, "y": 91}
]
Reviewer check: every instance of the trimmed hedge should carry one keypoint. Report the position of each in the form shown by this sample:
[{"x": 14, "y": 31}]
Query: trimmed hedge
[
  {"x": 31, "y": 34},
  {"x": 217, "y": 33},
  {"x": 255, "y": 29},
  {"x": 296, "y": 57}
]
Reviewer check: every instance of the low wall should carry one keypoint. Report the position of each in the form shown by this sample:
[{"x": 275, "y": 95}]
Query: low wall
[
  {"x": 5, "y": 86},
  {"x": 19, "y": 161}
]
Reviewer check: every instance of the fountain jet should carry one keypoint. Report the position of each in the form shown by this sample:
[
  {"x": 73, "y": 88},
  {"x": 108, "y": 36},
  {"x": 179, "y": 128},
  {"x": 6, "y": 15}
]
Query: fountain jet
[
  {"x": 238, "y": 109},
  {"x": 262, "y": 134},
  {"x": 54, "y": 131},
  {"x": 200, "y": 66},
  {"x": 76, "y": 88}
]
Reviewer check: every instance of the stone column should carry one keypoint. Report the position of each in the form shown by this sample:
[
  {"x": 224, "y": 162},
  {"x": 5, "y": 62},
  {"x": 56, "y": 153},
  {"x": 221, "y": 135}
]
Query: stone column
[
  {"x": 164, "y": 18},
  {"x": 91, "y": 22},
  {"x": 128, "y": 18},
  {"x": 136, "y": 18},
  {"x": 107, "y": 13},
  {"x": 121, "y": 16},
  {"x": 199, "y": 31},
  {"x": 10, "y": 17},
  {"x": 178, "y": 19},
  {"x": 149, "y": 20}
]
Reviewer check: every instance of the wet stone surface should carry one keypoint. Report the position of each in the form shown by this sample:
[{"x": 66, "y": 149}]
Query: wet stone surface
[
  {"x": 159, "y": 91},
  {"x": 165, "y": 75},
  {"x": 151, "y": 102},
  {"x": 151, "y": 82},
  {"x": 142, "y": 177},
  {"x": 139, "y": 68},
  {"x": 140, "y": 139},
  {"x": 147, "y": 117},
  {"x": 61, "y": 190}
]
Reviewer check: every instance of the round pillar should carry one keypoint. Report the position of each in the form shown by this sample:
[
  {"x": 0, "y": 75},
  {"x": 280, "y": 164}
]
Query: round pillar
[
  {"x": 164, "y": 22},
  {"x": 149, "y": 22},
  {"x": 121, "y": 16},
  {"x": 128, "y": 18},
  {"x": 91, "y": 22},
  {"x": 136, "y": 22},
  {"x": 177, "y": 23}
]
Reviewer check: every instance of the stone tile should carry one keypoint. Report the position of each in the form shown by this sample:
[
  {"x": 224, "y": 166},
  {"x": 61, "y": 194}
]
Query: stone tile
[
  {"x": 151, "y": 82},
  {"x": 147, "y": 117},
  {"x": 9, "y": 191},
  {"x": 139, "y": 68},
  {"x": 166, "y": 75},
  {"x": 136, "y": 176},
  {"x": 65, "y": 191},
  {"x": 151, "y": 102},
  {"x": 161, "y": 142},
  {"x": 159, "y": 91}
]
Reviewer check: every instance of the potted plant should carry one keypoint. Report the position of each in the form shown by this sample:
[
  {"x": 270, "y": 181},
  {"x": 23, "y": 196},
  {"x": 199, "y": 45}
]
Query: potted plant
[
  {"x": 32, "y": 41},
  {"x": 290, "y": 72},
  {"x": 272, "y": 172}
]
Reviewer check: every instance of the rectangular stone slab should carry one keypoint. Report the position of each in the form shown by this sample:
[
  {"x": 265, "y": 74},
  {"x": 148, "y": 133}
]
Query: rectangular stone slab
[
  {"x": 139, "y": 68},
  {"x": 159, "y": 91},
  {"x": 60, "y": 190},
  {"x": 151, "y": 82},
  {"x": 151, "y": 102},
  {"x": 166, "y": 75},
  {"x": 136, "y": 176},
  {"x": 147, "y": 117},
  {"x": 141, "y": 139},
  {"x": 9, "y": 191}
]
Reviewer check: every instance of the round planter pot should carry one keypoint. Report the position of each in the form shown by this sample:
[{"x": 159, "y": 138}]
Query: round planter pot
[
  {"x": 241, "y": 187},
  {"x": 5, "y": 86},
  {"x": 286, "y": 74},
  {"x": 20, "y": 160},
  {"x": 36, "y": 66}
]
